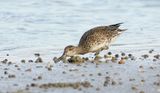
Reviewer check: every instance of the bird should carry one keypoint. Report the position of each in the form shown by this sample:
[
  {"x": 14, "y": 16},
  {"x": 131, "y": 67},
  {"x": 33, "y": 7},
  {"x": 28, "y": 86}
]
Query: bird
[{"x": 94, "y": 40}]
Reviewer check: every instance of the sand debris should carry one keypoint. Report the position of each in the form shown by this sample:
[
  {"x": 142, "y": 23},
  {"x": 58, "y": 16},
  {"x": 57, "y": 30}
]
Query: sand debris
[{"x": 75, "y": 85}]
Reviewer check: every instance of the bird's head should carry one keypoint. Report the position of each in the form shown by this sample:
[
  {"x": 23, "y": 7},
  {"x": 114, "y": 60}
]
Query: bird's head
[{"x": 69, "y": 51}]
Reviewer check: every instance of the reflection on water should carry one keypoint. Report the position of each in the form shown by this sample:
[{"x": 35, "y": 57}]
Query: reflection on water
[{"x": 47, "y": 25}]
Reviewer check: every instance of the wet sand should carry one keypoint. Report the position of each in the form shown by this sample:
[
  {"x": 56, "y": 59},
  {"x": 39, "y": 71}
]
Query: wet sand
[{"x": 114, "y": 73}]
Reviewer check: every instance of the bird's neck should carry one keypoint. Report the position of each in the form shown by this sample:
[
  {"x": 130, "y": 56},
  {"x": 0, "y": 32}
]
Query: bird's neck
[{"x": 80, "y": 51}]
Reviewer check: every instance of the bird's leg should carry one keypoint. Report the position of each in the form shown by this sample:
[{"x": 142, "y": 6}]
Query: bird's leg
[{"x": 97, "y": 52}]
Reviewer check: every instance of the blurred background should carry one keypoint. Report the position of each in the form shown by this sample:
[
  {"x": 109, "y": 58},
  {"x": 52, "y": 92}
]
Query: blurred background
[{"x": 47, "y": 26}]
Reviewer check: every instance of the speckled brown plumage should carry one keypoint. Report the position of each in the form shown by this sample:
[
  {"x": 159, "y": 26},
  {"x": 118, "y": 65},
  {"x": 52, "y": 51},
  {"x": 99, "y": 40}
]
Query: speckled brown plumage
[
  {"x": 97, "y": 37},
  {"x": 94, "y": 40}
]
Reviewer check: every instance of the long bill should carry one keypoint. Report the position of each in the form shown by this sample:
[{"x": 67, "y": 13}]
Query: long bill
[{"x": 63, "y": 57}]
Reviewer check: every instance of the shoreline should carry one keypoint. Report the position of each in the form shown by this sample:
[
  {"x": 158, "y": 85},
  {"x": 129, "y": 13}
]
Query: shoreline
[{"x": 140, "y": 75}]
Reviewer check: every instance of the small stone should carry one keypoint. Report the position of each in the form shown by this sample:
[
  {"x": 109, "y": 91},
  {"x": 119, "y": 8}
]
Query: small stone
[
  {"x": 145, "y": 56},
  {"x": 33, "y": 85},
  {"x": 151, "y": 51},
  {"x": 4, "y": 61},
  {"x": 23, "y": 61},
  {"x": 82, "y": 75},
  {"x": 154, "y": 60},
  {"x": 49, "y": 69},
  {"x": 157, "y": 56},
  {"x": 64, "y": 72},
  {"x": 143, "y": 81},
  {"x": 37, "y": 54},
  {"x": 90, "y": 74},
  {"x": 140, "y": 66},
  {"x": 123, "y": 54},
  {"x": 11, "y": 76},
  {"x": 151, "y": 67},
  {"x": 9, "y": 63},
  {"x": 116, "y": 55},
  {"x": 113, "y": 82},
  {"x": 109, "y": 53},
  {"x": 5, "y": 72},
  {"x": 99, "y": 74},
  {"x": 122, "y": 61},
  {"x": 129, "y": 55},
  {"x": 16, "y": 66},
  {"x": 28, "y": 70},
  {"x": 134, "y": 88},
  {"x": 132, "y": 79},
  {"x": 39, "y": 77},
  {"x": 7, "y": 54},
  {"x": 30, "y": 61},
  {"x": 39, "y": 60},
  {"x": 158, "y": 75}
]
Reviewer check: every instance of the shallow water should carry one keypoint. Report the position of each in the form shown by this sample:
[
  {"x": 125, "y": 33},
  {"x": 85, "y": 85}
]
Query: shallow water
[{"x": 48, "y": 26}]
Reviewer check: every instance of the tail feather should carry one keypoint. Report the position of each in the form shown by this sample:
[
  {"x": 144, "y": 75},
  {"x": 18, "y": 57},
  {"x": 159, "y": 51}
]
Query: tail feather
[
  {"x": 115, "y": 26},
  {"x": 121, "y": 30}
]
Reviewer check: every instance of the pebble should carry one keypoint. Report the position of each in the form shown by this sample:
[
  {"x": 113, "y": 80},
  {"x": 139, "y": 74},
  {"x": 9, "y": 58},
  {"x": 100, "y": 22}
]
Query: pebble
[
  {"x": 90, "y": 74},
  {"x": 134, "y": 88},
  {"x": 23, "y": 61},
  {"x": 37, "y": 54},
  {"x": 123, "y": 54},
  {"x": 151, "y": 51},
  {"x": 30, "y": 61},
  {"x": 109, "y": 53},
  {"x": 64, "y": 72},
  {"x": 113, "y": 82},
  {"x": 5, "y": 72},
  {"x": 157, "y": 56},
  {"x": 122, "y": 61},
  {"x": 11, "y": 76},
  {"x": 145, "y": 56},
  {"x": 116, "y": 56},
  {"x": 129, "y": 55},
  {"x": 99, "y": 74},
  {"x": 4, "y": 61},
  {"x": 39, "y": 77},
  {"x": 39, "y": 60},
  {"x": 33, "y": 85}
]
